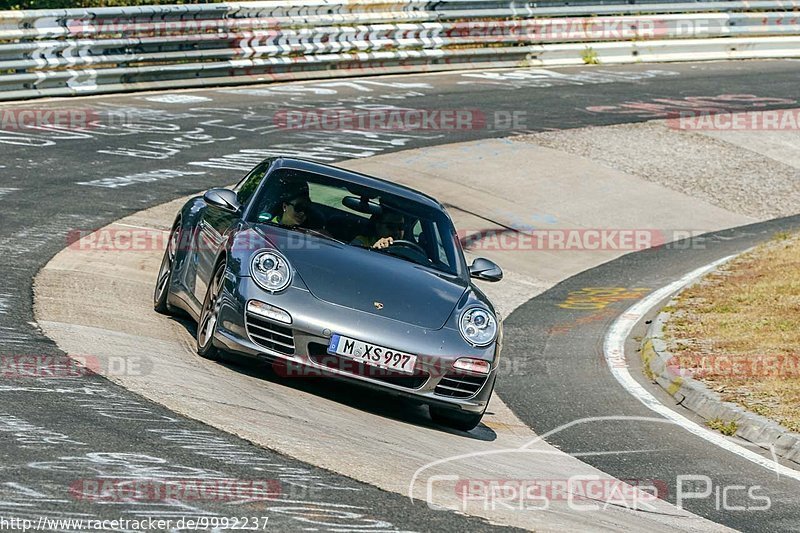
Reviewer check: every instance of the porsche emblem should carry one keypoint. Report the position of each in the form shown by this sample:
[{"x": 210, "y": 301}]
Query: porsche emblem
[{"x": 378, "y": 305}]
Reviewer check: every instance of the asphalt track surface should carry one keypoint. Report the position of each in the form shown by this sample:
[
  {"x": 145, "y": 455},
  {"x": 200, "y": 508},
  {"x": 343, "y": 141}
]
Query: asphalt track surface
[
  {"x": 58, "y": 431},
  {"x": 565, "y": 378}
]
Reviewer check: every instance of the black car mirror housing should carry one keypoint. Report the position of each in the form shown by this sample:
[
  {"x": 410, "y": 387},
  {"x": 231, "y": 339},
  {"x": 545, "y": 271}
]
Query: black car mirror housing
[
  {"x": 224, "y": 199},
  {"x": 485, "y": 270}
]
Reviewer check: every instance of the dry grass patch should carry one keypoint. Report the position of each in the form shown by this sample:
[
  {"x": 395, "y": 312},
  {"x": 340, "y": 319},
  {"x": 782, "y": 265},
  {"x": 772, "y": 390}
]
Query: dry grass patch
[{"x": 738, "y": 330}]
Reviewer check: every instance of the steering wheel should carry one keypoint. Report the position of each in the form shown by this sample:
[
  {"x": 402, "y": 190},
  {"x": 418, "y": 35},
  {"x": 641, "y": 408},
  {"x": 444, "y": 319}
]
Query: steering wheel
[{"x": 409, "y": 250}]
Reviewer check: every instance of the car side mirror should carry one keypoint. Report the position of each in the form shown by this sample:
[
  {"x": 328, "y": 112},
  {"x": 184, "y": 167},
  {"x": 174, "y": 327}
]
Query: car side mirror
[
  {"x": 223, "y": 198},
  {"x": 485, "y": 270}
]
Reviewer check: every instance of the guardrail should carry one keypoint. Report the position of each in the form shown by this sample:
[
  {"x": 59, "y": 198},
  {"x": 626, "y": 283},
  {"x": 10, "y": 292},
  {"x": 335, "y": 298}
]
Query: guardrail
[{"x": 90, "y": 51}]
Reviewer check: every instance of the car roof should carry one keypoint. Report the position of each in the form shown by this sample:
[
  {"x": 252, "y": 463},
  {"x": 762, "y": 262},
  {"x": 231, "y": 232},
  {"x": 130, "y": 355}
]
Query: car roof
[{"x": 360, "y": 179}]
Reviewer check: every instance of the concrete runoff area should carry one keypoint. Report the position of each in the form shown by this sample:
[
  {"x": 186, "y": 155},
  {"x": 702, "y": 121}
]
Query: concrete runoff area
[
  {"x": 100, "y": 302},
  {"x": 750, "y": 171}
]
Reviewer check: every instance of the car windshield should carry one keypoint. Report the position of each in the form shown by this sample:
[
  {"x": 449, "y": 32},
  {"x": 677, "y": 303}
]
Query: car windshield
[{"x": 359, "y": 216}]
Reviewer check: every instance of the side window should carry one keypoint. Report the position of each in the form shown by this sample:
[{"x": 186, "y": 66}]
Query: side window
[
  {"x": 247, "y": 187},
  {"x": 429, "y": 237},
  {"x": 326, "y": 195},
  {"x": 440, "y": 249},
  {"x": 416, "y": 231}
]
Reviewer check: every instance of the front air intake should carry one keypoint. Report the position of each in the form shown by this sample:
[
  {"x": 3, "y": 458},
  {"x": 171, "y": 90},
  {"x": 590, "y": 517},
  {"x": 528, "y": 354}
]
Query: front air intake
[
  {"x": 459, "y": 385},
  {"x": 269, "y": 334}
]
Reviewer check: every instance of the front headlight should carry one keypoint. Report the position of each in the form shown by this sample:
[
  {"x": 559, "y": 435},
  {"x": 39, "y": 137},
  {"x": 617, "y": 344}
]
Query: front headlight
[
  {"x": 271, "y": 271},
  {"x": 478, "y": 326}
]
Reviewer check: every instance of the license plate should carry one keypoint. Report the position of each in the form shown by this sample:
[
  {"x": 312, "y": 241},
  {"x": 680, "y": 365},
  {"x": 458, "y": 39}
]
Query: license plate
[{"x": 371, "y": 354}]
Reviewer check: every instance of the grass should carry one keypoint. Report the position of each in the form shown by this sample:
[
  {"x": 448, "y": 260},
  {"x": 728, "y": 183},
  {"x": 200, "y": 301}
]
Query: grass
[
  {"x": 589, "y": 56},
  {"x": 726, "y": 428},
  {"x": 743, "y": 323}
]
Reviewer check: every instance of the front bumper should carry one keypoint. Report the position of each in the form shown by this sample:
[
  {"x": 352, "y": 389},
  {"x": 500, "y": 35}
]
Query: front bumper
[{"x": 434, "y": 382}]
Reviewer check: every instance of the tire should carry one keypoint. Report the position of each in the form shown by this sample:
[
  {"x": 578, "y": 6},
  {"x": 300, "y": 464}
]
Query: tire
[
  {"x": 452, "y": 418},
  {"x": 164, "y": 279},
  {"x": 207, "y": 325}
]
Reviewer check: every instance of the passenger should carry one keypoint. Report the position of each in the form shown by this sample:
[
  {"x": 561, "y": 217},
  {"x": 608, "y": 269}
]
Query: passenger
[{"x": 385, "y": 228}]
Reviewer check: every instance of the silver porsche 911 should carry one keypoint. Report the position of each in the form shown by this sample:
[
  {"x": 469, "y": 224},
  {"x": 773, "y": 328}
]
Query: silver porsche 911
[{"x": 323, "y": 271}]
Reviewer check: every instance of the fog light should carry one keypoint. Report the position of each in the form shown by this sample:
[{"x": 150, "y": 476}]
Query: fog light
[
  {"x": 268, "y": 311},
  {"x": 478, "y": 366}
]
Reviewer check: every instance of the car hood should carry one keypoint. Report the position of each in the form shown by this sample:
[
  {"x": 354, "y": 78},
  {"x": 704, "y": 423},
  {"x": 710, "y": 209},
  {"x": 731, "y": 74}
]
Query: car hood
[{"x": 365, "y": 280}]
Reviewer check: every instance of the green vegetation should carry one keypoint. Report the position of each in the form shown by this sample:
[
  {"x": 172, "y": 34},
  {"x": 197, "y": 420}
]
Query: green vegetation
[
  {"x": 726, "y": 428},
  {"x": 589, "y": 56}
]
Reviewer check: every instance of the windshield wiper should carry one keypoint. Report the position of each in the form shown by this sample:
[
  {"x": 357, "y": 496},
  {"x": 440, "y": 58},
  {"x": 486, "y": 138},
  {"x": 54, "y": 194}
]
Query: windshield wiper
[
  {"x": 314, "y": 232},
  {"x": 387, "y": 251},
  {"x": 301, "y": 229}
]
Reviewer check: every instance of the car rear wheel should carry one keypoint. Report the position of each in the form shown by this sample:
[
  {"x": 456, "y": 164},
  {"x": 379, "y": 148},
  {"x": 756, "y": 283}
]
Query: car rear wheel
[
  {"x": 165, "y": 272},
  {"x": 451, "y": 418},
  {"x": 207, "y": 325}
]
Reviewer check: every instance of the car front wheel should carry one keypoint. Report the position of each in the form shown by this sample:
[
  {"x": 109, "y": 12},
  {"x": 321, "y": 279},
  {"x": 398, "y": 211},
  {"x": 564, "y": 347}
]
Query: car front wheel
[
  {"x": 207, "y": 325},
  {"x": 164, "y": 279}
]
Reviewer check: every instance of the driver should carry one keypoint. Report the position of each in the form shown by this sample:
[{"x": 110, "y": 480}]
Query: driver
[
  {"x": 293, "y": 209},
  {"x": 384, "y": 229}
]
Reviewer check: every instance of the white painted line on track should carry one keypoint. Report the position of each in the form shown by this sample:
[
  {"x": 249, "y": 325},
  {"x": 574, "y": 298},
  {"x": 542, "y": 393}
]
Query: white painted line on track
[
  {"x": 134, "y": 226},
  {"x": 614, "y": 351}
]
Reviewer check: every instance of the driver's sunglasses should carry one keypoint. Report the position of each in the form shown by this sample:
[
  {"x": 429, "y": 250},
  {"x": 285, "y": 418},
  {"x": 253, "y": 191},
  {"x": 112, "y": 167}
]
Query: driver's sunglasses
[
  {"x": 394, "y": 225},
  {"x": 300, "y": 207}
]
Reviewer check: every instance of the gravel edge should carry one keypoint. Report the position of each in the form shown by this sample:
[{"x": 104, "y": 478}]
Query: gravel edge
[
  {"x": 713, "y": 169},
  {"x": 697, "y": 397}
]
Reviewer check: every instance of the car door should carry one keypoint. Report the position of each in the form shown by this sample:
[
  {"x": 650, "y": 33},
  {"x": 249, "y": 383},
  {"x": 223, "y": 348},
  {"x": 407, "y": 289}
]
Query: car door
[
  {"x": 212, "y": 230},
  {"x": 214, "y": 226}
]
